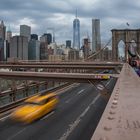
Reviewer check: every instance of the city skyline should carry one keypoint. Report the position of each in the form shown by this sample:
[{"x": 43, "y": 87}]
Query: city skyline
[{"x": 41, "y": 15}]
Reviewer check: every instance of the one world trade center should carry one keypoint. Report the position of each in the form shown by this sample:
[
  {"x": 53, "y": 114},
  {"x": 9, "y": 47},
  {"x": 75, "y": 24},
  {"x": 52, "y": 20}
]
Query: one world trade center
[{"x": 76, "y": 33}]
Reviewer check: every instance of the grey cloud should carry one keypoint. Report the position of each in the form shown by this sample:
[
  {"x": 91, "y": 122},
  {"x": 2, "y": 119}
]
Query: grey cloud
[{"x": 45, "y": 12}]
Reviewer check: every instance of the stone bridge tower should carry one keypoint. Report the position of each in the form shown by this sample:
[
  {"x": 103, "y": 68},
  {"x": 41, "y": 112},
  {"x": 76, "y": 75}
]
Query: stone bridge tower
[{"x": 127, "y": 36}]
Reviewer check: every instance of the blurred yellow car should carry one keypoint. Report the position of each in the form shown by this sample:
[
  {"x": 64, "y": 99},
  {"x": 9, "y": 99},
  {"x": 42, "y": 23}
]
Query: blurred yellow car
[{"x": 35, "y": 107}]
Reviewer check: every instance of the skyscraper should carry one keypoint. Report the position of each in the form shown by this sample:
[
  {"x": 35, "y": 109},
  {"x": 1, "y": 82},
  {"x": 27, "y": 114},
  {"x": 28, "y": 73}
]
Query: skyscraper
[
  {"x": 2, "y": 30},
  {"x": 86, "y": 47},
  {"x": 49, "y": 38},
  {"x": 8, "y": 40},
  {"x": 68, "y": 43},
  {"x": 96, "y": 38},
  {"x": 2, "y": 41},
  {"x": 25, "y": 30},
  {"x": 43, "y": 47},
  {"x": 34, "y": 50},
  {"x": 34, "y": 36},
  {"x": 19, "y": 47},
  {"x": 76, "y": 33},
  {"x": 8, "y": 35}
]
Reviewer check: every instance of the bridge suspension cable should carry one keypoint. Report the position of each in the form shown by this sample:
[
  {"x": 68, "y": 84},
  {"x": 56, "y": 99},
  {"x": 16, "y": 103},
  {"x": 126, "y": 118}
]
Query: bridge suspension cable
[{"x": 95, "y": 54}]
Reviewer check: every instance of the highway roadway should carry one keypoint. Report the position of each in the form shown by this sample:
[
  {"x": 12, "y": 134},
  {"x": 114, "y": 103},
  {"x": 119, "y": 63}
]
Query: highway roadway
[{"x": 75, "y": 118}]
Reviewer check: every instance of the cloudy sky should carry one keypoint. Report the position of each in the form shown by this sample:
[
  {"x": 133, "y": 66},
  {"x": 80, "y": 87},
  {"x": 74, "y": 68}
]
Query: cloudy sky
[{"x": 42, "y": 15}]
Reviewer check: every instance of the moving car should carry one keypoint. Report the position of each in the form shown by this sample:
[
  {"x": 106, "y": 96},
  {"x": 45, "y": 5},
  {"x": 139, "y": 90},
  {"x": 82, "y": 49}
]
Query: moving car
[{"x": 35, "y": 107}]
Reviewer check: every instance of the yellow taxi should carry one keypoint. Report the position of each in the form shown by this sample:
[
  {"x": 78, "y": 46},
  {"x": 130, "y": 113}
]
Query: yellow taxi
[{"x": 35, "y": 107}]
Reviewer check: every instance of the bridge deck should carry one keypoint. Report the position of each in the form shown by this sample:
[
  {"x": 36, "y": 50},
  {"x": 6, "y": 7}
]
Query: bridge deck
[{"x": 121, "y": 118}]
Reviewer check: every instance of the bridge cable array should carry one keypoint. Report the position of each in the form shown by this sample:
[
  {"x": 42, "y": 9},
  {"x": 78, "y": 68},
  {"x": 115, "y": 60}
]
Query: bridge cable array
[{"x": 95, "y": 54}]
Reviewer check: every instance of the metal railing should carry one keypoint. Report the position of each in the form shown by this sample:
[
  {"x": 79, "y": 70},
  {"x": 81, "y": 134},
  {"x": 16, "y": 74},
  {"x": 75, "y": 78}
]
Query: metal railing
[{"x": 12, "y": 98}]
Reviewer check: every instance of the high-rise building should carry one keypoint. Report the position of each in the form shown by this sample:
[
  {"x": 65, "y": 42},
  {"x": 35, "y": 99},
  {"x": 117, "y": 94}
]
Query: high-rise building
[
  {"x": 2, "y": 48},
  {"x": 8, "y": 40},
  {"x": 2, "y": 41},
  {"x": 68, "y": 43},
  {"x": 2, "y": 30},
  {"x": 76, "y": 33},
  {"x": 49, "y": 38},
  {"x": 96, "y": 38},
  {"x": 43, "y": 38},
  {"x": 25, "y": 30},
  {"x": 34, "y": 50},
  {"x": 19, "y": 47},
  {"x": 86, "y": 47},
  {"x": 8, "y": 35},
  {"x": 34, "y": 36},
  {"x": 43, "y": 47},
  {"x": 73, "y": 55}
]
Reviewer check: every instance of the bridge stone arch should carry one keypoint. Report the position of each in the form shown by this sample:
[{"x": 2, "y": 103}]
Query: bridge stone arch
[{"x": 126, "y": 35}]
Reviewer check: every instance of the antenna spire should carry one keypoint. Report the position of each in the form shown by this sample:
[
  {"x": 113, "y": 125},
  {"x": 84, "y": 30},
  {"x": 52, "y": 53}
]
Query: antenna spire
[{"x": 76, "y": 13}]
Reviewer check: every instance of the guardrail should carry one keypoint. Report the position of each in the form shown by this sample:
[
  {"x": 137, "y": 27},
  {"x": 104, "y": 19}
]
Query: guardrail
[
  {"x": 17, "y": 102},
  {"x": 11, "y": 95}
]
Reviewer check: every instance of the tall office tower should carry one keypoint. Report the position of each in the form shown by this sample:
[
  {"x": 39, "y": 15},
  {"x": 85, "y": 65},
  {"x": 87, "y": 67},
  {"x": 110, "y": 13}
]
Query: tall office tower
[
  {"x": 2, "y": 41},
  {"x": 86, "y": 47},
  {"x": 34, "y": 50},
  {"x": 2, "y": 48},
  {"x": 19, "y": 47},
  {"x": 76, "y": 33},
  {"x": 96, "y": 38},
  {"x": 8, "y": 35},
  {"x": 2, "y": 30},
  {"x": 68, "y": 43},
  {"x": 8, "y": 40},
  {"x": 34, "y": 36},
  {"x": 43, "y": 47},
  {"x": 43, "y": 38},
  {"x": 49, "y": 38},
  {"x": 25, "y": 30}
]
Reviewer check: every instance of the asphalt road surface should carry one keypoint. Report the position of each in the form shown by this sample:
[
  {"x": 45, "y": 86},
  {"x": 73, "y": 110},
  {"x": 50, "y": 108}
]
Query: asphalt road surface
[{"x": 75, "y": 118}]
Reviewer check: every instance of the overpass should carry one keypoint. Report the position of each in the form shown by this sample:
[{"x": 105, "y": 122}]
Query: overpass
[{"x": 71, "y": 77}]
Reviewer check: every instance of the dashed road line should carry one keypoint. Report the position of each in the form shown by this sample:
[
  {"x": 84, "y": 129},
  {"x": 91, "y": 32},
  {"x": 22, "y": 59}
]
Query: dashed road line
[
  {"x": 51, "y": 113},
  {"x": 16, "y": 134},
  {"x": 108, "y": 82},
  {"x": 73, "y": 125},
  {"x": 81, "y": 91}
]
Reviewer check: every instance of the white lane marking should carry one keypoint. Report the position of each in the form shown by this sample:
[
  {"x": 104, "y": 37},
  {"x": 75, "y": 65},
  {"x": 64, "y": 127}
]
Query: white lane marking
[
  {"x": 16, "y": 134},
  {"x": 86, "y": 110},
  {"x": 95, "y": 99},
  {"x": 63, "y": 90},
  {"x": 67, "y": 101},
  {"x": 4, "y": 118},
  {"x": 81, "y": 91},
  {"x": 108, "y": 82},
  {"x": 47, "y": 115},
  {"x": 77, "y": 121},
  {"x": 100, "y": 87}
]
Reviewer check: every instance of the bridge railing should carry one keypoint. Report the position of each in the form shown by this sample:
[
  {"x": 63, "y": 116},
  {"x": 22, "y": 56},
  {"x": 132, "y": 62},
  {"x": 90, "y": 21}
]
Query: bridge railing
[
  {"x": 121, "y": 118},
  {"x": 12, "y": 98}
]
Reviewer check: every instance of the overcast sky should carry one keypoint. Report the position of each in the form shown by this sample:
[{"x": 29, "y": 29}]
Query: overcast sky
[{"x": 59, "y": 14}]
